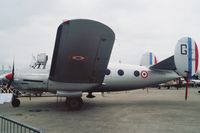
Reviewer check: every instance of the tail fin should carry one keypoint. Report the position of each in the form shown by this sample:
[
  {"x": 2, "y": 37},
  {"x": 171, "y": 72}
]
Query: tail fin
[
  {"x": 185, "y": 59},
  {"x": 148, "y": 59}
]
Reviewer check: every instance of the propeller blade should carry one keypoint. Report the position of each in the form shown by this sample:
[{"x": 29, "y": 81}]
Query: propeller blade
[
  {"x": 13, "y": 68},
  {"x": 12, "y": 77},
  {"x": 8, "y": 85},
  {"x": 186, "y": 89}
]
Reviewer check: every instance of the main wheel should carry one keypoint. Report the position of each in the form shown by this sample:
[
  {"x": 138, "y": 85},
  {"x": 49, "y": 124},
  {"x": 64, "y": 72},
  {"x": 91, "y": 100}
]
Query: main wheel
[
  {"x": 74, "y": 103},
  {"x": 15, "y": 102},
  {"x": 39, "y": 94}
]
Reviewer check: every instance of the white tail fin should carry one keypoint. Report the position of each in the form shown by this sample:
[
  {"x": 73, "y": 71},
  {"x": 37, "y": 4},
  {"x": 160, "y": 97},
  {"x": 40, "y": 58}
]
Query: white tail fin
[
  {"x": 148, "y": 59},
  {"x": 186, "y": 57}
]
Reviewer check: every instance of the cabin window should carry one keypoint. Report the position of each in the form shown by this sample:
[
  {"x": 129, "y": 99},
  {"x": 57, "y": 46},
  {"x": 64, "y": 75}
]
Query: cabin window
[
  {"x": 107, "y": 72},
  {"x": 120, "y": 72},
  {"x": 136, "y": 73}
]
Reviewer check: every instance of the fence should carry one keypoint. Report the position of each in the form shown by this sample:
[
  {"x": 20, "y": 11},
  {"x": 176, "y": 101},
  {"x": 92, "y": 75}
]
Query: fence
[{"x": 12, "y": 126}]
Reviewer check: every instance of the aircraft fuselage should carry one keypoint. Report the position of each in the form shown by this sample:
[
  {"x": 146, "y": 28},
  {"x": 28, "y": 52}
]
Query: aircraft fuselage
[{"x": 118, "y": 78}]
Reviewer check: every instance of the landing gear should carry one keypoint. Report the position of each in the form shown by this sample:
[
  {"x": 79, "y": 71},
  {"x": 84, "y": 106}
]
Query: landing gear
[
  {"x": 39, "y": 94},
  {"x": 15, "y": 102},
  {"x": 90, "y": 95},
  {"x": 74, "y": 103}
]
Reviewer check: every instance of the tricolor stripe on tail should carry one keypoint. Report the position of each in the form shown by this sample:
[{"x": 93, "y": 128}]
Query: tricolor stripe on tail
[{"x": 148, "y": 59}]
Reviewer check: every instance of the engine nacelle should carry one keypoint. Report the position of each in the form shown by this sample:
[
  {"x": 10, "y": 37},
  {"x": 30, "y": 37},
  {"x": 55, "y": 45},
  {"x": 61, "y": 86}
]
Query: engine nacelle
[{"x": 186, "y": 57}]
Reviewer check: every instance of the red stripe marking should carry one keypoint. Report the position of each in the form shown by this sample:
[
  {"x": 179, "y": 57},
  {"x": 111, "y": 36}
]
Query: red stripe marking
[
  {"x": 155, "y": 60},
  {"x": 196, "y": 57}
]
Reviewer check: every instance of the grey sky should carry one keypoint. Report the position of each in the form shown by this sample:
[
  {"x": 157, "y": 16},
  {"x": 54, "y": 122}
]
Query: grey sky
[{"x": 29, "y": 26}]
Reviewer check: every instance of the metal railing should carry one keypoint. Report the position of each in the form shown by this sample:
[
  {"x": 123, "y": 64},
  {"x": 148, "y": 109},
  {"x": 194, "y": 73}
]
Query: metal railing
[
  {"x": 12, "y": 126},
  {"x": 5, "y": 90}
]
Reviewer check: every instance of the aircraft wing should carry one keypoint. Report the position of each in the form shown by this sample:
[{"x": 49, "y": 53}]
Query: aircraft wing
[{"x": 82, "y": 52}]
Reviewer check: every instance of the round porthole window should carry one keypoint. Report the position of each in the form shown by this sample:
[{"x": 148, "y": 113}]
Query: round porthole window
[
  {"x": 136, "y": 73},
  {"x": 120, "y": 72},
  {"x": 107, "y": 72}
]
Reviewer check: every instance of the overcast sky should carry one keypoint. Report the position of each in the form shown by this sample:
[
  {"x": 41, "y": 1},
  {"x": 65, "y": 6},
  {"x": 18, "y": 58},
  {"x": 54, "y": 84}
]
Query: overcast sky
[{"x": 29, "y": 26}]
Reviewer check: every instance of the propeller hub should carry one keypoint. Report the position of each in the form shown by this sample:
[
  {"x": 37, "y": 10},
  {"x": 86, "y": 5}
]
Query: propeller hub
[{"x": 9, "y": 76}]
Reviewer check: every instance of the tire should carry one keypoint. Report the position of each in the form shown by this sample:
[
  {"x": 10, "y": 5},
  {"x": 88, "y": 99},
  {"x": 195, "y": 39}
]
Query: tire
[
  {"x": 38, "y": 94},
  {"x": 74, "y": 103},
  {"x": 15, "y": 102}
]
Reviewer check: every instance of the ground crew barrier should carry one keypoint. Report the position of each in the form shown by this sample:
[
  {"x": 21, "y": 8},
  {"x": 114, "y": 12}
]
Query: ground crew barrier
[{"x": 12, "y": 126}]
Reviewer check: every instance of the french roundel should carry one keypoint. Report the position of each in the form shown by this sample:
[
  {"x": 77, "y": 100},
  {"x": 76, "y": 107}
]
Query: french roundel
[
  {"x": 79, "y": 58},
  {"x": 144, "y": 74}
]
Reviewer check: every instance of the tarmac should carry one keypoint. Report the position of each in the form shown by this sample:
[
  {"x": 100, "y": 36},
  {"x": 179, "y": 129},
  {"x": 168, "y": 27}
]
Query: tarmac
[{"x": 138, "y": 111}]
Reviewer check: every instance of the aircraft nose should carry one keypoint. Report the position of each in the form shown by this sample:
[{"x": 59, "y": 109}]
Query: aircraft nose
[
  {"x": 6, "y": 77},
  {"x": 9, "y": 76}
]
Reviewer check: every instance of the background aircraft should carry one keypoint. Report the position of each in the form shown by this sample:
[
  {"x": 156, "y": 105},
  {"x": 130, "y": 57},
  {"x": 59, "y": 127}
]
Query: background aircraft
[
  {"x": 81, "y": 64},
  {"x": 148, "y": 59}
]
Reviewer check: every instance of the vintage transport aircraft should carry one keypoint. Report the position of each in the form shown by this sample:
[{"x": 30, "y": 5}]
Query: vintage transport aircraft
[{"x": 80, "y": 64}]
